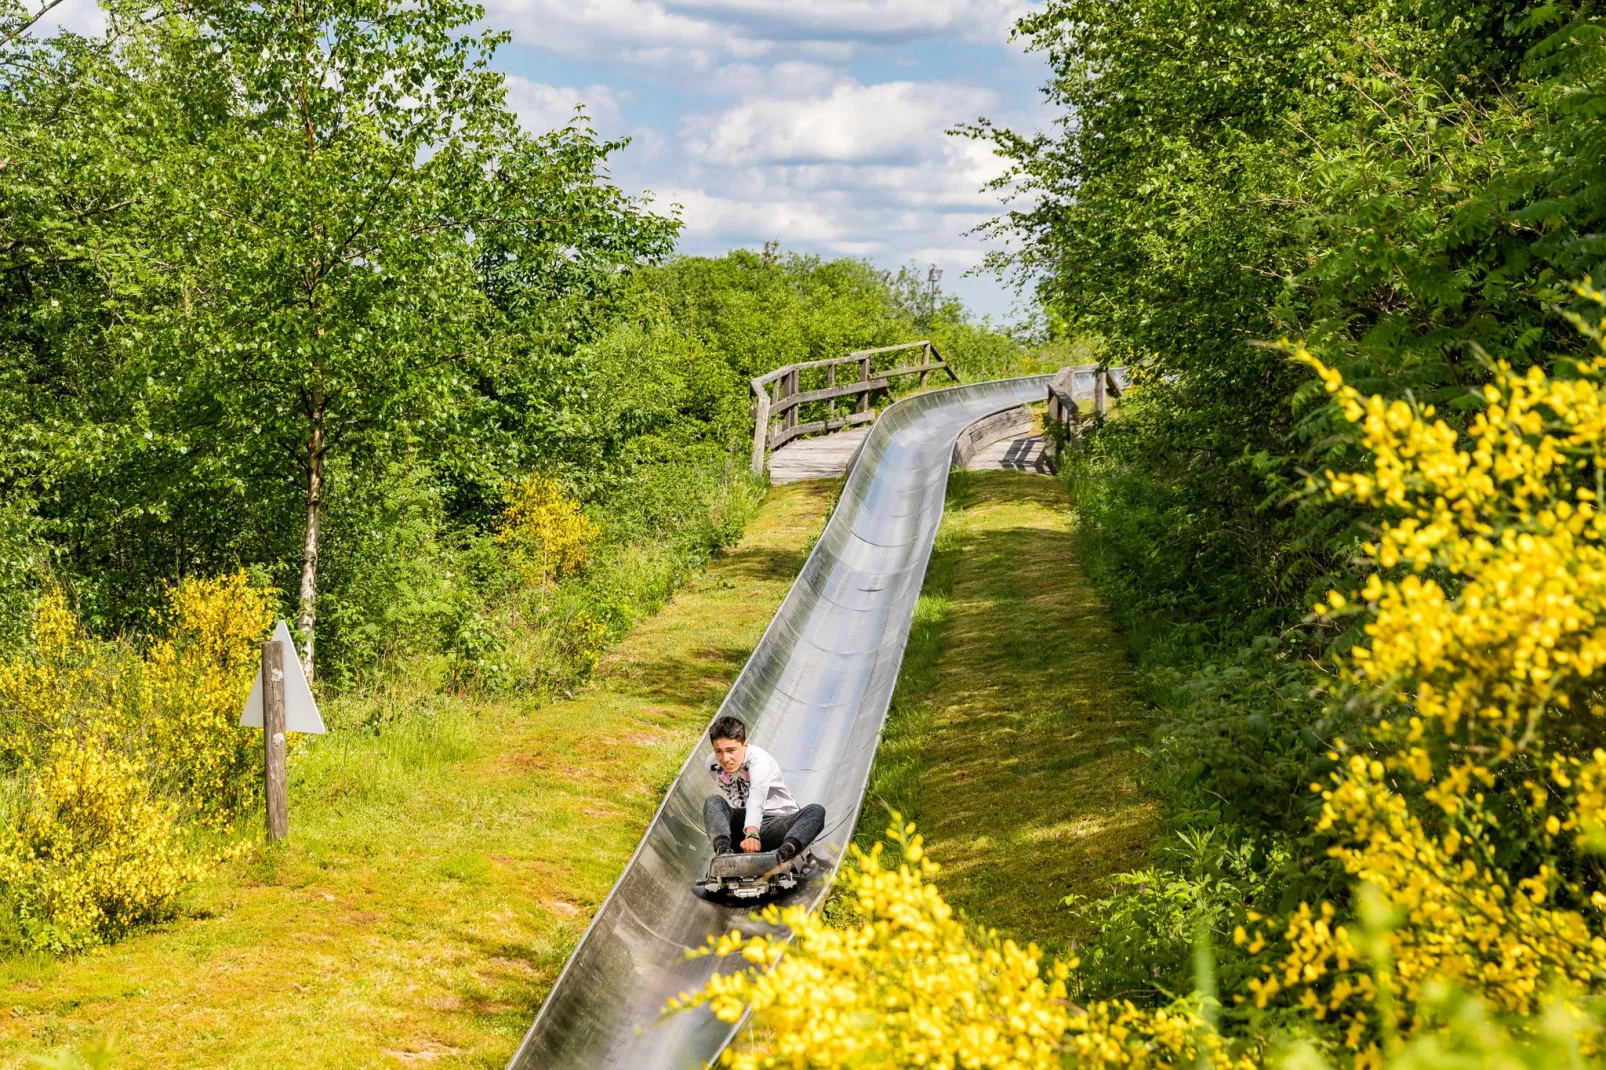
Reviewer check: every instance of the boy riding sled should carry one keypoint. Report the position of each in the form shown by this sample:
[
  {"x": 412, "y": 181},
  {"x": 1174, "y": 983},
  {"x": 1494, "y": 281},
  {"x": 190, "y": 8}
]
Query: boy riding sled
[{"x": 753, "y": 808}]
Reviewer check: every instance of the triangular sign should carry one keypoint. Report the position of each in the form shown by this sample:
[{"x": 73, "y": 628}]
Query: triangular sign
[{"x": 300, "y": 712}]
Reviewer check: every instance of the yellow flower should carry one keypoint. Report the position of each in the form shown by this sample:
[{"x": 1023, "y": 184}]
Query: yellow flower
[
  {"x": 544, "y": 529},
  {"x": 910, "y": 985}
]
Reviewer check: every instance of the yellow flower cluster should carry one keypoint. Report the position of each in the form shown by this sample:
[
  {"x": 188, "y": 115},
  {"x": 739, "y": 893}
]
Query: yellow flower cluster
[
  {"x": 582, "y": 641},
  {"x": 111, "y": 752},
  {"x": 1510, "y": 512},
  {"x": 910, "y": 985},
  {"x": 544, "y": 530},
  {"x": 196, "y": 676},
  {"x": 90, "y": 851},
  {"x": 1466, "y": 814},
  {"x": 1462, "y": 917}
]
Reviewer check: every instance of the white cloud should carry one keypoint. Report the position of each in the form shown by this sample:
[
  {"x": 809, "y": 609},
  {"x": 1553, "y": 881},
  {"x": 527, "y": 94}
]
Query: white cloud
[
  {"x": 647, "y": 145},
  {"x": 541, "y": 107},
  {"x": 728, "y": 218},
  {"x": 791, "y": 78},
  {"x": 640, "y": 31},
  {"x": 76, "y": 16},
  {"x": 864, "y": 20},
  {"x": 885, "y": 122},
  {"x": 811, "y": 157},
  {"x": 702, "y": 33}
]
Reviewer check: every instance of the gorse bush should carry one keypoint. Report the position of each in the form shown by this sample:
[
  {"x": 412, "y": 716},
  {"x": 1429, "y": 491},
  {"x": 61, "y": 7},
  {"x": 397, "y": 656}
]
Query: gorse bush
[
  {"x": 111, "y": 754},
  {"x": 1471, "y": 801},
  {"x": 196, "y": 674},
  {"x": 90, "y": 850},
  {"x": 907, "y": 983},
  {"x": 543, "y": 530}
]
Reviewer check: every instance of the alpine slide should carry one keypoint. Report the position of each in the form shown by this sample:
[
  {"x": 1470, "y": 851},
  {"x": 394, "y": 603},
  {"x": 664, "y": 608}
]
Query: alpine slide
[{"x": 814, "y": 693}]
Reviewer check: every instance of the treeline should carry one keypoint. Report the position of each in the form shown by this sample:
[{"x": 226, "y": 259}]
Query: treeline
[
  {"x": 287, "y": 287},
  {"x": 1415, "y": 191},
  {"x": 296, "y": 320}
]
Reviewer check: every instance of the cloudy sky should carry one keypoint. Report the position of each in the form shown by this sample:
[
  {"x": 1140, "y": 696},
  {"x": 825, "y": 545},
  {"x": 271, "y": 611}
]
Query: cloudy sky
[{"x": 818, "y": 123}]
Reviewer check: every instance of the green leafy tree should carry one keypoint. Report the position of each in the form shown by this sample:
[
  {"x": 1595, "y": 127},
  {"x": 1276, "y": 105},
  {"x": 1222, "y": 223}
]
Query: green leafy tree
[{"x": 325, "y": 248}]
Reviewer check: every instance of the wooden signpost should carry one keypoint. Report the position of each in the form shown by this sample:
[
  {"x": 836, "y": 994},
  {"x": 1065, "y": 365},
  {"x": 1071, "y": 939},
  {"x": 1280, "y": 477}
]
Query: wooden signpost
[
  {"x": 280, "y": 702},
  {"x": 273, "y": 738}
]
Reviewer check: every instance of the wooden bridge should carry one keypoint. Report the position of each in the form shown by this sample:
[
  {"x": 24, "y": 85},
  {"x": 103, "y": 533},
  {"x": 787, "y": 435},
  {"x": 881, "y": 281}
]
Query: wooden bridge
[{"x": 800, "y": 400}]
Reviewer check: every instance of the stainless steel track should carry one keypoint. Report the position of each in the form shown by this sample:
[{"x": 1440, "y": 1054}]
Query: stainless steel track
[{"x": 814, "y": 693}]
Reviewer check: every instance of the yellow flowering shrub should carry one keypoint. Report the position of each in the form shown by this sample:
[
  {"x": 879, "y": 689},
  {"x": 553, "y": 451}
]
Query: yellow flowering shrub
[
  {"x": 909, "y": 984},
  {"x": 197, "y": 675},
  {"x": 1473, "y": 800},
  {"x": 545, "y": 532},
  {"x": 582, "y": 642},
  {"x": 107, "y": 753},
  {"x": 88, "y": 851},
  {"x": 67, "y": 685}
]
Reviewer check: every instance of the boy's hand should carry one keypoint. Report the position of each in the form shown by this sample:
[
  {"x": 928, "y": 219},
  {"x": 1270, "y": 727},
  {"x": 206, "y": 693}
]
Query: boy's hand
[{"x": 751, "y": 845}]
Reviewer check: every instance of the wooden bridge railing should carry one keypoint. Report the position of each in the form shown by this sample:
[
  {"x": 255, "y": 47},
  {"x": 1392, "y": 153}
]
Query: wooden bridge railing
[
  {"x": 1087, "y": 382},
  {"x": 778, "y": 397}
]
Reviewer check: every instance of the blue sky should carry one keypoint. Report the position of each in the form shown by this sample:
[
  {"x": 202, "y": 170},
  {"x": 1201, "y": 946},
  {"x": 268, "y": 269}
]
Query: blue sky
[{"x": 819, "y": 124}]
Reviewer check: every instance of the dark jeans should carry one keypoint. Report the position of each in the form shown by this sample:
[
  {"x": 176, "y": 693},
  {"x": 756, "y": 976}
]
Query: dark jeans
[{"x": 721, "y": 819}]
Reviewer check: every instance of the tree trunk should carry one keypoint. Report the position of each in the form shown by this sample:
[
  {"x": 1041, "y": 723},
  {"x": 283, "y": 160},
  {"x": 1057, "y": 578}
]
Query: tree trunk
[{"x": 306, "y": 622}]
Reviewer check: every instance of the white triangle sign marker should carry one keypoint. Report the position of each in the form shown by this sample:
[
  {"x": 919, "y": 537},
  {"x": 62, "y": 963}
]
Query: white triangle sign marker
[{"x": 300, "y": 712}]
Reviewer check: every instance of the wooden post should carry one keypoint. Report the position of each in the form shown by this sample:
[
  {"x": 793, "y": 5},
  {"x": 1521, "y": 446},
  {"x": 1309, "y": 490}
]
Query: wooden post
[
  {"x": 925, "y": 358},
  {"x": 864, "y": 377},
  {"x": 1098, "y": 391},
  {"x": 273, "y": 739},
  {"x": 761, "y": 431},
  {"x": 830, "y": 406},
  {"x": 791, "y": 390}
]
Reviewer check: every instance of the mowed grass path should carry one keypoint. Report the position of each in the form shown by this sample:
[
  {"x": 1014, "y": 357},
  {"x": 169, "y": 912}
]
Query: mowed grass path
[
  {"x": 425, "y": 904},
  {"x": 1014, "y": 733}
]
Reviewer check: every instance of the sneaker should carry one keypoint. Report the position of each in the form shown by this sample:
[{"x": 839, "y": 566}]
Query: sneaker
[
  {"x": 786, "y": 851},
  {"x": 722, "y": 845}
]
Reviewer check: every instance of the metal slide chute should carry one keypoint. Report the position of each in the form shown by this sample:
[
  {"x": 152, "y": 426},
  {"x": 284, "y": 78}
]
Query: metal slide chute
[{"x": 814, "y": 693}]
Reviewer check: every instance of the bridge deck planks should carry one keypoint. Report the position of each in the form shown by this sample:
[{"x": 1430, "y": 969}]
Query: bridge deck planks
[
  {"x": 1022, "y": 454},
  {"x": 827, "y": 456},
  {"x": 821, "y": 457}
]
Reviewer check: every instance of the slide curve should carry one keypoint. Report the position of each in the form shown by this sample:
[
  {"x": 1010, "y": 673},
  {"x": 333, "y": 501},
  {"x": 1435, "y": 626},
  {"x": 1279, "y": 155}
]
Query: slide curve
[{"x": 814, "y": 693}]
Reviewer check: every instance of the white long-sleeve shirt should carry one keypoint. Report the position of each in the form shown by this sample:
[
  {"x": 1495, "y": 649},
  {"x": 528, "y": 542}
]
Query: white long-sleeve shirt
[{"x": 756, "y": 787}]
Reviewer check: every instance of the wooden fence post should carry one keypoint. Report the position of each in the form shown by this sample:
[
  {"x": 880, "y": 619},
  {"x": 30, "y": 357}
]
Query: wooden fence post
[
  {"x": 830, "y": 406},
  {"x": 864, "y": 377},
  {"x": 273, "y": 739},
  {"x": 925, "y": 358},
  {"x": 761, "y": 430},
  {"x": 1098, "y": 391}
]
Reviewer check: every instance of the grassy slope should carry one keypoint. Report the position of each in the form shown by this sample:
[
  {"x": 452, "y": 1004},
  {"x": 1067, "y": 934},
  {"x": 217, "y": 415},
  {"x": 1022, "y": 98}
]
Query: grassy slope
[
  {"x": 1013, "y": 734},
  {"x": 435, "y": 880}
]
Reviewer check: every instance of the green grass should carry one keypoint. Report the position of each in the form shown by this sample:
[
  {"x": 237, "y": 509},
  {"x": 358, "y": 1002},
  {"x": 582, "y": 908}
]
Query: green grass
[
  {"x": 441, "y": 864},
  {"x": 1013, "y": 739}
]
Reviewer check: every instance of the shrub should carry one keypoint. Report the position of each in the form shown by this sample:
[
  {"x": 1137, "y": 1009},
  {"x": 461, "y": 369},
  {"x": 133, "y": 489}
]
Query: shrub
[
  {"x": 1471, "y": 801},
  {"x": 88, "y": 850},
  {"x": 111, "y": 754},
  {"x": 544, "y": 530},
  {"x": 197, "y": 675},
  {"x": 906, "y": 983}
]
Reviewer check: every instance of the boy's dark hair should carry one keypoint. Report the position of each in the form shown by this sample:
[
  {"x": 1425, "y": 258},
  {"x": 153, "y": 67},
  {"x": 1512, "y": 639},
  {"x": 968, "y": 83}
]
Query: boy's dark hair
[{"x": 728, "y": 727}]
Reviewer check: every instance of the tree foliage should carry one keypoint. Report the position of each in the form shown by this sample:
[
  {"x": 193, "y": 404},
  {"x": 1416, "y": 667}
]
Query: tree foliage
[
  {"x": 256, "y": 254},
  {"x": 1413, "y": 189}
]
